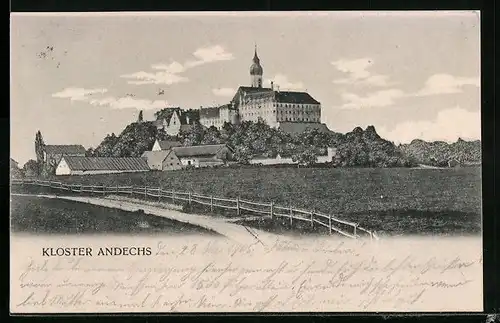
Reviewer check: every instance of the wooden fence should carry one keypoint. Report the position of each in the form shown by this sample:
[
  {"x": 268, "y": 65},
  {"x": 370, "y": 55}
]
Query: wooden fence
[{"x": 345, "y": 228}]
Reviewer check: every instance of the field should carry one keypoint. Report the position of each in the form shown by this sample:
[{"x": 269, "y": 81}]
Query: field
[
  {"x": 392, "y": 201},
  {"x": 56, "y": 216}
]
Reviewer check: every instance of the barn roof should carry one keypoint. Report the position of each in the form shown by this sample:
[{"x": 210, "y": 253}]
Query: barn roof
[
  {"x": 65, "y": 149},
  {"x": 106, "y": 163},
  {"x": 155, "y": 157},
  {"x": 167, "y": 144},
  {"x": 192, "y": 151}
]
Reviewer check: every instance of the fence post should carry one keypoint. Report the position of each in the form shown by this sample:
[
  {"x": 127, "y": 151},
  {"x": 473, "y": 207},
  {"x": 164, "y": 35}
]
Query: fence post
[
  {"x": 116, "y": 188},
  {"x": 238, "y": 205},
  {"x": 189, "y": 197},
  {"x": 312, "y": 220},
  {"x": 330, "y": 223},
  {"x": 103, "y": 190},
  {"x": 173, "y": 197},
  {"x": 211, "y": 203},
  {"x": 159, "y": 194},
  {"x": 145, "y": 192},
  {"x": 291, "y": 216},
  {"x": 355, "y": 226},
  {"x": 272, "y": 211}
]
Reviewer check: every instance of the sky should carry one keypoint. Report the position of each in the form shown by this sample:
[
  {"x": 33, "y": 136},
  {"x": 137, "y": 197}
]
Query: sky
[{"x": 77, "y": 77}]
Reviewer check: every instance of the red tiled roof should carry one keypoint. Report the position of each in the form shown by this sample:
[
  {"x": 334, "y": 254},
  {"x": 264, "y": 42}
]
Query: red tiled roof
[{"x": 106, "y": 163}]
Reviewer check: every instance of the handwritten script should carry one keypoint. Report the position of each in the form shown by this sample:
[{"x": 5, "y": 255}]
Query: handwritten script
[{"x": 218, "y": 275}]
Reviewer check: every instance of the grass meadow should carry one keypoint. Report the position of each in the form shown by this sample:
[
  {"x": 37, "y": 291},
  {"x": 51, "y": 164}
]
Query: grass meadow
[{"x": 389, "y": 201}]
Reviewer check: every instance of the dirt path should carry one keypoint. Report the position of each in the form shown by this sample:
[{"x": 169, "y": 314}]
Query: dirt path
[{"x": 223, "y": 226}]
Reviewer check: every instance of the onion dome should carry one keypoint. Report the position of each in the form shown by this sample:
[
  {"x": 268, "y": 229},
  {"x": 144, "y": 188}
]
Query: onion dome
[{"x": 255, "y": 68}]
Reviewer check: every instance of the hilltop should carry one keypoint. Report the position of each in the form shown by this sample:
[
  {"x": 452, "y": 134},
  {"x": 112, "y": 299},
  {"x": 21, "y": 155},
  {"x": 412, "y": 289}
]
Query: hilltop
[{"x": 358, "y": 148}]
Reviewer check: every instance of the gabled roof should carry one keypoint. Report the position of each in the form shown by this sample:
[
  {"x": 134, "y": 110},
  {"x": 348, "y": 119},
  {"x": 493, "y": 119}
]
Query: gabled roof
[
  {"x": 193, "y": 151},
  {"x": 167, "y": 144},
  {"x": 155, "y": 157},
  {"x": 65, "y": 149},
  {"x": 106, "y": 163}
]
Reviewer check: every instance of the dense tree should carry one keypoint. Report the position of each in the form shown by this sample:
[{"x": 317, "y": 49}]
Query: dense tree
[
  {"x": 194, "y": 136},
  {"x": 90, "y": 152},
  {"x": 439, "y": 153},
  {"x": 31, "y": 168},
  {"x": 39, "y": 147},
  {"x": 15, "y": 171},
  {"x": 305, "y": 156},
  {"x": 134, "y": 140},
  {"x": 212, "y": 136},
  {"x": 105, "y": 149},
  {"x": 358, "y": 148}
]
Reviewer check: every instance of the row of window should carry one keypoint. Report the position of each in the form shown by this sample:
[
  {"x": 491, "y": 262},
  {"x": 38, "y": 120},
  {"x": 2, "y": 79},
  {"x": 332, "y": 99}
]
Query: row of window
[
  {"x": 287, "y": 119},
  {"x": 274, "y": 112},
  {"x": 283, "y": 105}
]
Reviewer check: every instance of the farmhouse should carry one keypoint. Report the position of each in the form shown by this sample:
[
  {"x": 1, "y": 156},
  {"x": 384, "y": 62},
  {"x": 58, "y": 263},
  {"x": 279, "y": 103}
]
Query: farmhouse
[
  {"x": 285, "y": 159},
  {"x": 190, "y": 156},
  {"x": 165, "y": 144},
  {"x": 52, "y": 154},
  {"x": 77, "y": 165},
  {"x": 203, "y": 156},
  {"x": 162, "y": 160}
]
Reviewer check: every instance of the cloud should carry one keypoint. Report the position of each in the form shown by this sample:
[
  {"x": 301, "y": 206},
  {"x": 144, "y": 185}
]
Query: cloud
[
  {"x": 170, "y": 73},
  {"x": 285, "y": 84},
  {"x": 446, "y": 84},
  {"x": 357, "y": 73},
  {"x": 225, "y": 91},
  {"x": 375, "y": 99},
  {"x": 128, "y": 102},
  {"x": 174, "y": 67},
  {"x": 77, "y": 93},
  {"x": 449, "y": 125},
  {"x": 212, "y": 54},
  {"x": 142, "y": 77}
]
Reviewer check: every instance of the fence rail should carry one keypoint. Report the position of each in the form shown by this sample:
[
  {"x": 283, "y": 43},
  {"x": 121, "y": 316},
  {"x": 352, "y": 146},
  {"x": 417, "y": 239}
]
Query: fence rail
[{"x": 345, "y": 228}]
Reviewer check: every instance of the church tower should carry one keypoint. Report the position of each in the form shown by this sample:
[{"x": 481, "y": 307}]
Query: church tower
[{"x": 256, "y": 71}]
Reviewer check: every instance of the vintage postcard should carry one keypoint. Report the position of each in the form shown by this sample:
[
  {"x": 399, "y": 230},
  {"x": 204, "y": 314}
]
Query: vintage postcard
[{"x": 245, "y": 162}]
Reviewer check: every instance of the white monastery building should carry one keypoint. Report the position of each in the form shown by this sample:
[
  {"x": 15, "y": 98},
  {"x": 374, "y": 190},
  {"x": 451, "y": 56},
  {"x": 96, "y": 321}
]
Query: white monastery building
[{"x": 286, "y": 110}]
